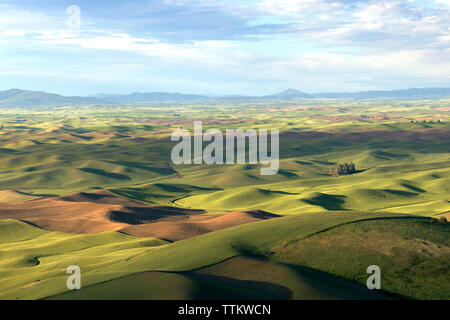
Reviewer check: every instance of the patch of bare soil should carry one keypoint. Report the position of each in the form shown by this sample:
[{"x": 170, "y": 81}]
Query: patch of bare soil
[{"x": 93, "y": 212}]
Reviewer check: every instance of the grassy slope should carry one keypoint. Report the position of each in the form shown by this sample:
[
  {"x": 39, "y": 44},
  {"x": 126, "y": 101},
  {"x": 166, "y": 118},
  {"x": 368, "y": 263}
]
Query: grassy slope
[
  {"x": 110, "y": 255},
  {"x": 394, "y": 185},
  {"x": 236, "y": 278},
  {"x": 413, "y": 254},
  {"x": 59, "y": 151}
]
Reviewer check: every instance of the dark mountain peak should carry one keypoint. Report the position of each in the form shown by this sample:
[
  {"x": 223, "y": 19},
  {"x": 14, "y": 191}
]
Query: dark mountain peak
[
  {"x": 14, "y": 90},
  {"x": 291, "y": 92}
]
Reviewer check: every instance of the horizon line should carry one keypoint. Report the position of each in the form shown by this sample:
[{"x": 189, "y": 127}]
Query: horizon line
[{"x": 223, "y": 95}]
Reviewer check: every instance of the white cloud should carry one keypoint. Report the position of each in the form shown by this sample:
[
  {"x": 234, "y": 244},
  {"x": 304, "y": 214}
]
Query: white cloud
[
  {"x": 374, "y": 39},
  {"x": 26, "y": 21},
  {"x": 296, "y": 7},
  {"x": 384, "y": 25},
  {"x": 208, "y": 53},
  {"x": 374, "y": 15},
  {"x": 446, "y": 2}
]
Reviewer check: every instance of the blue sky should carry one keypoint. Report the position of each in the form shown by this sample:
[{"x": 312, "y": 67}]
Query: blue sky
[{"x": 224, "y": 47}]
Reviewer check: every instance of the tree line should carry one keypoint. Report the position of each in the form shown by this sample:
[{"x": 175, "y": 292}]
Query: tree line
[{"x": 342, "y": 169}]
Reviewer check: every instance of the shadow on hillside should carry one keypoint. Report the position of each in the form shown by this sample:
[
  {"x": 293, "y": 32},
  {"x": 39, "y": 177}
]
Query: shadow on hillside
[
  {"x": 104, "y": 173},
  {"x": 213, "y": 287},
  {"x": 400, "y": 192},
  {"x": 147, "y": 167},
  {"x": 334, "y": 287},
  {"x": 413, "y": 188},
  {"x": 141, "y": 215},
  {"x": 327, "y": 201}
]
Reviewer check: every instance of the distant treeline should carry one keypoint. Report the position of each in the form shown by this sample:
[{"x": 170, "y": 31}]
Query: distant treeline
[{"x": 342, "y": 169}]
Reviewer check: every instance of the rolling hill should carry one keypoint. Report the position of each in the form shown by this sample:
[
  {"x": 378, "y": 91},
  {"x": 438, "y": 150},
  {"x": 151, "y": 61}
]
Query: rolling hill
[
  {"x": 94, "y": 187},
  {"x": 226, "y": 259}
]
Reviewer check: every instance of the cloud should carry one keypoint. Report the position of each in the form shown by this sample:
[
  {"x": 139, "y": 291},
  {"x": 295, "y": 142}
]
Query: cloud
[
  {"x": 385, "y": 25},
  {"x": 203, "y": 44},
  {"x": 445, "y": 2},
  {"x": 297, "y": 8}
]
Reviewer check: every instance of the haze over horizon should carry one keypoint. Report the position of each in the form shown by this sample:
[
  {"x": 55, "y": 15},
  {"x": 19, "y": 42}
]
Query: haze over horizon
[
  {"x": 224, "y": 47},
  {"x": 288, "y": 91}
]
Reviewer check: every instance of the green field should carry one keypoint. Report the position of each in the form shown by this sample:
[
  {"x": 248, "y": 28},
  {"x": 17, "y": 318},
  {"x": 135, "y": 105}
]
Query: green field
[{"x": 390, "y": 212}]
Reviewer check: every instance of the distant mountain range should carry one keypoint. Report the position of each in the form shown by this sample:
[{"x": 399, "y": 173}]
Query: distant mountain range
[
  {"x": 139, "y": 97},
  {"x": 26, "y": 98},
  {"x": 413, "y": 93}
]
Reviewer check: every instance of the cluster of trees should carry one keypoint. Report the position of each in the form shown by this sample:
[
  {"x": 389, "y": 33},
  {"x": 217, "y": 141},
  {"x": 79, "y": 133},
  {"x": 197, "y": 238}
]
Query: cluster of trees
[
  {"x": 343, "y": 169},
  {"x": 425, "y": 121}
]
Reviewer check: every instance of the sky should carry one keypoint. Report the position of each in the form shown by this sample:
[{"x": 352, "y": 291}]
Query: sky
[{"x": 249, "y": 47}]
